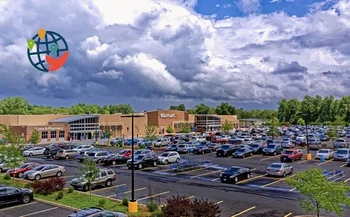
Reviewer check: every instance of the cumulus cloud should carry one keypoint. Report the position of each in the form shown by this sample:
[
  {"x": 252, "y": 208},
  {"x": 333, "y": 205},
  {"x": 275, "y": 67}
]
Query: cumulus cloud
[{"x": 162, "y": 49}]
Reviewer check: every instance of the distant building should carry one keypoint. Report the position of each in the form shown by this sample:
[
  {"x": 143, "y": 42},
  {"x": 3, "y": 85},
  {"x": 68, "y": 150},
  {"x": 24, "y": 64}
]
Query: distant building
[{"x": 250, "y": 122}]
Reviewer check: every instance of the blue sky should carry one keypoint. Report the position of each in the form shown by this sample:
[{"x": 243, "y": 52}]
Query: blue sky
[{"x": 230, "y": 8}]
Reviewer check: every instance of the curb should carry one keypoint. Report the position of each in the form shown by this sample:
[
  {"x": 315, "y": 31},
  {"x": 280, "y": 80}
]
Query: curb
[{"x": 55, "y": 204}]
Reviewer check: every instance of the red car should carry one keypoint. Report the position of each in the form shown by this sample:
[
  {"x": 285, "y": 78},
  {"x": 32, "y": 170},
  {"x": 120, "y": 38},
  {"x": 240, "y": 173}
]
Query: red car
[
  {"x": 125, "y": 153},
  {"x": 18, "y": 172},
  {"x": 291, "y": 155},
  {"x": 219, "y": 139}
]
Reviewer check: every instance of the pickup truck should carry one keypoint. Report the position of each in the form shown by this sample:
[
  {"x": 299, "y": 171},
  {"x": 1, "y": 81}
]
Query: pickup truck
[
  {"x": 143, "y": 160},
  {"x": 291, "y": 155}
]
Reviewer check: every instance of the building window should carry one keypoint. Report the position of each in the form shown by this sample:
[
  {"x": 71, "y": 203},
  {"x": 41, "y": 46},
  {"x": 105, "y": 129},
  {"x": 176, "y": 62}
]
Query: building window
[
  {"x": 53, "y": 134},
  {"x": 44, "y": 135},
  {"x": 61, "y": 134}
]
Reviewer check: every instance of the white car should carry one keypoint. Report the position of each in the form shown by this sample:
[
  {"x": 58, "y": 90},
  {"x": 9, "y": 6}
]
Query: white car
[
  {"x": 83, "y": 148},
  {"x": 326, "y": 153},
  {"x": 198, "y": 139},
  {"x": 34, "y": 151},
  {"x": 169, "y": 157}
]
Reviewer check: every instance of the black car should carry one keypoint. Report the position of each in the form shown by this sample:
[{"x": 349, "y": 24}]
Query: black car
[
  {"x": 51, "y": 150},
  {"x": 113, "y": 159},
  {"x": 257, "y": 148},
  {"x": 9, "y": 194},
  {"x": 235, "y": 174},
  {"x": 243, "y": 152},
  {"x": 202, "y": 149},
  {"x": 226, "y": 150},
  {"x": 96, "y": 212},
  {"x": 143, "y": 160}
]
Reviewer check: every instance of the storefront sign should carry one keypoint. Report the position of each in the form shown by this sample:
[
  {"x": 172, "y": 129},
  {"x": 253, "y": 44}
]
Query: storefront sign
[
  {"x": 164, "y": 115},
  {"x": 48, "y": 128}
]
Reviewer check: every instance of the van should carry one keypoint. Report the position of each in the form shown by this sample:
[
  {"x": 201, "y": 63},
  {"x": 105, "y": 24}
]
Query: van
[{"x": 184, "y": 148}]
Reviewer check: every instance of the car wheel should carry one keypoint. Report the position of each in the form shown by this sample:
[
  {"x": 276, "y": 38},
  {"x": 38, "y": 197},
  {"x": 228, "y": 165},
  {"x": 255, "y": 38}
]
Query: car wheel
[
  {"x": 291, "y": 171},
  {"x": 235, "y": 180},
  {"x": 54, "y": 156},
  {"x": 243, "y": 156},
  {"x": 140, "y": 166},
  {"x": 67, "y": 157},
  {"x": 251, "y": 154},
  {"x": 98, "y": 161},
  {"x": 284, "y": 174},
  {"x": 20, "y": 175},
  {"x": 37, "y": 177},
  {"x": 108, "y": 183},
  {"x": 274, "y": 153},
  {"x": 85, "y": 188},
  {"x": 177, "y": 160},
  {"x": 30, "y": 154},
  {"x": 59, "y": 174},
  {"x": 1, "y": 170},
  {"x": 248, "y": 176},
  {"x": 114, "y": 163},
  {"x": 166, "y": 162},
  {"x": 292, "y": 160},
  {"x": 154, "y": 163},
  {"x": 26, "y": 199}
]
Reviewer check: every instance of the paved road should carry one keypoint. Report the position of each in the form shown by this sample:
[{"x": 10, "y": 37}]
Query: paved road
[{"x": 270, "y": 197}]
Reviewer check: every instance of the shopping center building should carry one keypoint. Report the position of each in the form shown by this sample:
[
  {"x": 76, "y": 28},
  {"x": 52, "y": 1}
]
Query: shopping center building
[{"x": 75, "y": 127}]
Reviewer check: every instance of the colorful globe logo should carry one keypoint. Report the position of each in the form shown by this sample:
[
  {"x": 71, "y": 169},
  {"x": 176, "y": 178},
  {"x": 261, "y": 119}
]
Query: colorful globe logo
[{"x": 47, "y": 51}]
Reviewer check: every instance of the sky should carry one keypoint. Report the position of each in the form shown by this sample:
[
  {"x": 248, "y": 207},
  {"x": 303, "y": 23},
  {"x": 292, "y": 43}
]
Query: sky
[{"x": 156, "y": 53}]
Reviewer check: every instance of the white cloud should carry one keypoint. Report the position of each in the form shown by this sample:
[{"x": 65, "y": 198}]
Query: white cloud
[
  {"x": 217, "y": 5},
  {"x": 162, "y": 49}
]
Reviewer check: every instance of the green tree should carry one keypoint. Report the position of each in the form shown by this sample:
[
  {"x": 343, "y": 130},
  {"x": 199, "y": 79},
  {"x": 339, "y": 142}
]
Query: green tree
[
  {"x": 124, "y": 109},
  {"x": 185, "y": 127},
  {"x": 14, "y": 106},
  {"x": 180, "y": 107},
  {"x": 151, "y": 132},
  {"x": 108, "y": 133},
  {"x": 11, "y": 153},
  {"x": 332, "y": 133},
  {"x": 273, "y": 125},
  {"x": 203, "y": 109},
  {"x": 225, "y": 109},
  {"x": 169, "y": 129},
  {"x": 320, "y": 193},
  {"x": 301, "y": 122},
  {"x": 35, "y": 137},
  {"x": 89, "y": 173},
  {"x": 226, "y": 127}
]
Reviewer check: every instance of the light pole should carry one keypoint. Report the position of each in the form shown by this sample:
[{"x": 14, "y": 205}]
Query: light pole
[
  {"x": 132, "y": 203},
  {"x": 306, "y": 118}
]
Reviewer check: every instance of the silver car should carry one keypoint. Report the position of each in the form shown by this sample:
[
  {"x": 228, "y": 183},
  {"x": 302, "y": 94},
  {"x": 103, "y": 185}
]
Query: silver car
[
  {"x": 44, "y": 171},
  {"x": 325, "y": 153},
  {"x": 342, "y": 154},
  {"x": 279, "y": 169},
  {"x": 34, "y": 151},
  {"x": 169, "y": 157}
]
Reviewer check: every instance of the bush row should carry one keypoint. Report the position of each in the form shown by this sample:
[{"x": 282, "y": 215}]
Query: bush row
[{"x": 48, "y": 186}]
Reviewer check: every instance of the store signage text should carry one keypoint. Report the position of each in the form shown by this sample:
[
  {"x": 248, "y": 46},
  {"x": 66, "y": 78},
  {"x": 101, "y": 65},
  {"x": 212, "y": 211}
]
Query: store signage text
[
  {"x": 163, "y": 115},
  {"x": 48, "y": 128}
]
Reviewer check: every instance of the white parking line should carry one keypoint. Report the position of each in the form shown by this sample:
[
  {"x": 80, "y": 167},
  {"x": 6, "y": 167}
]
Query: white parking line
[
  {"x": 219, "y": 202},
  {"x": 343, "y": 165},
  {"x": 247, "y": 180},
  {"x": 244, "y": 211},
  {"x": 347, "y": 180},
  {"x": 289, "y": 214},
  {"x": 204, "y": 174},
  {"x": 127, "y": 192},
  {"x": 324, "y": 162},
  {"x": 270, "y": 158},
  {"x": 12, "y": 207},
  {"x": 114, "y": 186},
  {"x": 213, "y": 180},
  {"x": 155, "y": 195},
  {"x": 292, "y": 189},
  {"x": 34, "y": 213}
]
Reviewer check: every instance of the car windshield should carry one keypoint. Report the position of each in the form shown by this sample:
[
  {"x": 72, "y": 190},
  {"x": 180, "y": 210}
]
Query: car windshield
[
  {"x": 232, "y": 170},
  {"x": 342, "y": 152},
  {"x": 60, "y": 151},
  {"x": 312, "y": 140},
  {"x": 123, "y": 152},
  {"x": 241, "y": 150},
  {"x": 285, "y": 140},
  {"x": 200, "y": 146},
  {"x": 323, "y": 151},
  {"x": 109, "y": 155},
  {"x": 225, "y": 147},
  {"x": 271, "y": 146},
  {"x": 288, "y": 152},
  {"x": 79, "y": 147},
  {"x": 38, "y": 168},
  {"x": 23, "y": 166},
  {"x": 339, "y": 140},
  {"x": 92, "y": 154},
  {"x": 246, "y": 139},
  {"x": 164, "y": 155},
  {"x": 173, "y": 146},
  {"x": 158, "y": 140},
  {"x": 138, "y": 152},
  {"x": 275, "y": 165},
  {"x": 194, "y": 138},
  {"x": 140, "y": 157},
  {"x": 255, "y": 146}
]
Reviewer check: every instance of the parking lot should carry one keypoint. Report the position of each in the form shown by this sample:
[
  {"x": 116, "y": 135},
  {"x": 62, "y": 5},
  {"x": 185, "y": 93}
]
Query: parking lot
[{"x": 156, "y": 184}]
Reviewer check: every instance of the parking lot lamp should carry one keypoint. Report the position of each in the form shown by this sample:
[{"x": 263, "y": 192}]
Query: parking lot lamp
[
  {"x": 132, "y": 205},
  {"x": 308, "y": 155}
]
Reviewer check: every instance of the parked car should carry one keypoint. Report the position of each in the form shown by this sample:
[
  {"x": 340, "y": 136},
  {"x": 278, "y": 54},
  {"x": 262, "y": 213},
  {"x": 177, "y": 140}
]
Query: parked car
[
  {"x": 27, "y": 147},
  {"x": 184, "y": 148},
  {"x": 96, "y": 212},
  {"x": 66, "y": 154},
  {"x": 34, "y": 151},
  {"x": 324, "y": 138},
  {"x": 146, "y": 143},
  {"x": 97, "y": 156},
  {"x": 300, "y": 140},
  {"x": 342, "y": 154},
  {"x": 214, "y": 146},
  {"x": 104, "y": 178},
  {"x": 226, "y": 150},
  {"x": 273, "y": 149},
  {"x": 9, "y": 195},
  {"x": 161, "y": 142},
  {"x": 3, "y": 167},
  {"x": 287, "y": 144},
  {"x": 198, "y": 139},
  {"x": 44, "y": 171},
  {"x": 18, "y": 172},
  {"x": 326, "y": 153},
  {"x": 257, "y": 148},
  {"x": 113, "y": 159},
  {"x": 142, "y": 152},
  {"x": 291, "y": 155},
  {"x": 169, "y": 157},
  {"x": 315, "y": 143},
  {"x": 51, "y": 150},
  {"x": 219, "y": 139},
  {"x": 171, "y": 148},
  {"x": 126, "y": 153},
  {"x": 235, "y": 174},
  {"x": 84, "y": 148},
  {"x": 141, "y": 161},
  {"x": 342, "y": 133},
  {"x": 340, "y": 143},
  {"x": 202, "y": 149},
  {"x": 243, "y": 152},
  {"x": 279, "y": 169}
]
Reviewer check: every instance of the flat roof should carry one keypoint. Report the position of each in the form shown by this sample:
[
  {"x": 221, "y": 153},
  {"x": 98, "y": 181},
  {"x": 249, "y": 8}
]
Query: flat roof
[
  {"x": 250, "y": 119},
  {"x": 72, "y": 118}
]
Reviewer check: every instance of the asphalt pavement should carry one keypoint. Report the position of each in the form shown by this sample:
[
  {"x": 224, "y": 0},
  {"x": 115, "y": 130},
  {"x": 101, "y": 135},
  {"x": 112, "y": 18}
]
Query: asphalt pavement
[{"x": 259, "y": 196}]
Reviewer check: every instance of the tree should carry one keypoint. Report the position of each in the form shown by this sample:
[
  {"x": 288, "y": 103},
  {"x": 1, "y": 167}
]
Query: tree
[
  {"x": 35, "y": 137},
  {"x": 89, "y": 173},
  {"x": 203, "y": 109},
  {"x": 180, "y": 107},
  {"x": 320, "y": 193},
  {"x": 169, "y": 129},
  {"x": 11, "y": 153},
  {"x": 185, "y": 127},
  {"x": 273, "y": 125},
  {"x": 107, "y": 133},
  {"x": 225, "y": 109},
  {"x": 332, "y": 133},
  {"x": 301, "y": 122},
  {"x": 151, "y": 132},
  {"x": 226, "y": 127}
]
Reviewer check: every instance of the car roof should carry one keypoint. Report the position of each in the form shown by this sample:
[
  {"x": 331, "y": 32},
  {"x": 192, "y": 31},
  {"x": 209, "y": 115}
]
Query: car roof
[
  {"x": 292, "y": 149},
  {"x": 238, "y": 167},
  {"x": 86, "y": 212}
]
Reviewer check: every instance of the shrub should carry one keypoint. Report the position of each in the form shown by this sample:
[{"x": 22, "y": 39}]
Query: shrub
[
  {"x": 157, "y": 213},
  {"x": 59, "y": 196},
  {"x": 7, "y": 177},
  {"x": 70, "y": 190},
  {"x": 205, "y": 208},
  {"x": 26, "y": 185},
  {"x": 102, "y": 203},
  {"x": 125, "y": 201},
  {"x": 151, "y": 206},
  {"x": 48, "y": 186}
]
